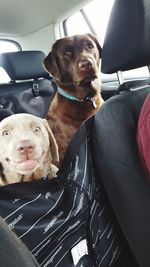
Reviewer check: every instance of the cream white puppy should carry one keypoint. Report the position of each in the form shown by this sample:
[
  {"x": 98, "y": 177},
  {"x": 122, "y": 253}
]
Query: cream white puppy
[{"x": 27, "y": 148}]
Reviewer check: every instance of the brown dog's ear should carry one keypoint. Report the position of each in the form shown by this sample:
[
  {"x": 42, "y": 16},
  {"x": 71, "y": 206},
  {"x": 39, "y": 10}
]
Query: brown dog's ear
[
  {"x": 97, "y": 43},
  {"x": 53, "y": 144},
  {"x": 51, "y": 66}
]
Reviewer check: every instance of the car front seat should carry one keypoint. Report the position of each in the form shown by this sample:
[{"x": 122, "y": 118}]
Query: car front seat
[{"x": 126, "y": 47}]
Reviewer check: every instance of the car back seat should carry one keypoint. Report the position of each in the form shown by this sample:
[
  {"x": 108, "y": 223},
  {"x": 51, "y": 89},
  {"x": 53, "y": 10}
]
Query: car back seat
[{"x": 31, "y": 89}]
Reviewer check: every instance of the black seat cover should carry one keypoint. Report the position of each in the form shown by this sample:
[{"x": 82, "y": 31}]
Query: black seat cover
[{"x": 31, "y": 89}]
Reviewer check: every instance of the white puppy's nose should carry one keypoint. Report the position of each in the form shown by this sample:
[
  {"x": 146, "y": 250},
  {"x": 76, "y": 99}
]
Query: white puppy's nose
[{"x": 25, "y": 147}]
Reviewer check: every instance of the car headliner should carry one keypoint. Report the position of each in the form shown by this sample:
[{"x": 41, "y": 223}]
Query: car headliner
[{"x": 18, "y": 18}]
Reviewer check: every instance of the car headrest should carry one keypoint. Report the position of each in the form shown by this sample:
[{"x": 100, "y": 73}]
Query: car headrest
[
  {"x": 127, "y": 40},
  {"x": 23, "y": 65}
]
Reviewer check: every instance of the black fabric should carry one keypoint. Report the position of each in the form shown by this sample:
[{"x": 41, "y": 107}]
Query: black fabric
[
  {"x": 51, "y": 217},
  {"x": 23, "y": 65},
  {"x": 13, "y": 253},
  {"x": 126, "y": 44},
  {"x": 133, "y": 85},
  {"x": 33, "y": 97},
  {"x": 34, "y": 94},
  {"x": 117, "y": 162}
]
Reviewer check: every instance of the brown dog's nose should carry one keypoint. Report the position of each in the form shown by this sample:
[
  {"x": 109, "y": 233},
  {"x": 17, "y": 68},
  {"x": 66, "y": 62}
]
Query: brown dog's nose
[
  {"x": 85, "y": 65},
  {"x": 25, "y": 147}
]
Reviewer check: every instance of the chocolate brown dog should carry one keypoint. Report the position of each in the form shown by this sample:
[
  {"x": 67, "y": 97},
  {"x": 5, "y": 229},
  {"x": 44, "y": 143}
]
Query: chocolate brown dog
[{"x": 74, "y": 64}]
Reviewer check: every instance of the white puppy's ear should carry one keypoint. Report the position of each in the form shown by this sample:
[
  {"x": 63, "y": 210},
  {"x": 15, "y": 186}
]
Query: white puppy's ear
[{"x": 53, "y": 144}]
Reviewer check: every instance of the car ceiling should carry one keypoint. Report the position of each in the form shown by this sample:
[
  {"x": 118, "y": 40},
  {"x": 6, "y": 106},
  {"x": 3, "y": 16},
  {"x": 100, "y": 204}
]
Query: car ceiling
[{"x": 18, "y": 18}]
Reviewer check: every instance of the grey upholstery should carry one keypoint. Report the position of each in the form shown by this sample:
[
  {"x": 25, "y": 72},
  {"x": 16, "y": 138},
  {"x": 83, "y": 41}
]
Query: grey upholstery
[
  {"x": 13, "y": 252},
  {"x": 115, "y": 153}
]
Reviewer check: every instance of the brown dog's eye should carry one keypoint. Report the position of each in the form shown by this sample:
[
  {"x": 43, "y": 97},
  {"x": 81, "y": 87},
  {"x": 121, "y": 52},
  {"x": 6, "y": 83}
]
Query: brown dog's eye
[
  {"x": 90, "y": 46},
  {"x": 6, "y": 132},
  {"x": 37, "y": 129},
  {"x": 68, "y": 53}
]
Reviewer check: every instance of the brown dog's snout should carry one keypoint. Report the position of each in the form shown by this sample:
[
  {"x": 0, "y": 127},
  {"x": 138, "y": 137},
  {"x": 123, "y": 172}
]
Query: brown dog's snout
[
  {"x": 85, "y": 65},
  {"x": 25, "y": 147}
]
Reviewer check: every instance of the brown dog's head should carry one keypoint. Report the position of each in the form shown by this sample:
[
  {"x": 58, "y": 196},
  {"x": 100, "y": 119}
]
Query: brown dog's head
[{"x": 74, "y": 59}]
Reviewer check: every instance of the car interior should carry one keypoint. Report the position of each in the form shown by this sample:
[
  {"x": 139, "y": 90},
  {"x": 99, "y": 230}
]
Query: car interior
[{"x": 25, "y": 87}]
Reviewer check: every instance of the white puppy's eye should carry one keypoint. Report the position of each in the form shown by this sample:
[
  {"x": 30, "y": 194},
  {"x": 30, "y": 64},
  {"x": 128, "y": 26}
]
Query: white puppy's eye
[
  {"x": 36, "y": 129},
  {"x": 6, "y": 132}
]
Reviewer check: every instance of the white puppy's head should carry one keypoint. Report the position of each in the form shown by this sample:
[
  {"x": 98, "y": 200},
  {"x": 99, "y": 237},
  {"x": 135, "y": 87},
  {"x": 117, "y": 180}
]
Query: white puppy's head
[{"x": 26, "y": 141}]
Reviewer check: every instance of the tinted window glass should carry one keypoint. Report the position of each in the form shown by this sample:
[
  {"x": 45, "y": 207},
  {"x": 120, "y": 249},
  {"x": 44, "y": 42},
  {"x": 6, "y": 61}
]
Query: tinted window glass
[{"x": 7, "y": 46}]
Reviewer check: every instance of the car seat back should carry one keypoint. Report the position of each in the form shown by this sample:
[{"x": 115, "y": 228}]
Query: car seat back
[
  {"x": 115, "y": 152},
  {"x": 31, "y": 89}
]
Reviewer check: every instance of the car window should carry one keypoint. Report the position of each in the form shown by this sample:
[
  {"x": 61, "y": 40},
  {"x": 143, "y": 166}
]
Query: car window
[
  {"x": 7, "y": 46},
  {"x": 93, "y": 18}
]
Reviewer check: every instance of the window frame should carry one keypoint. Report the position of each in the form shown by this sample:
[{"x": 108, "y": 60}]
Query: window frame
[
  {"x": 11, "y": 41},
  {"x": 86, "y": 20}
]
